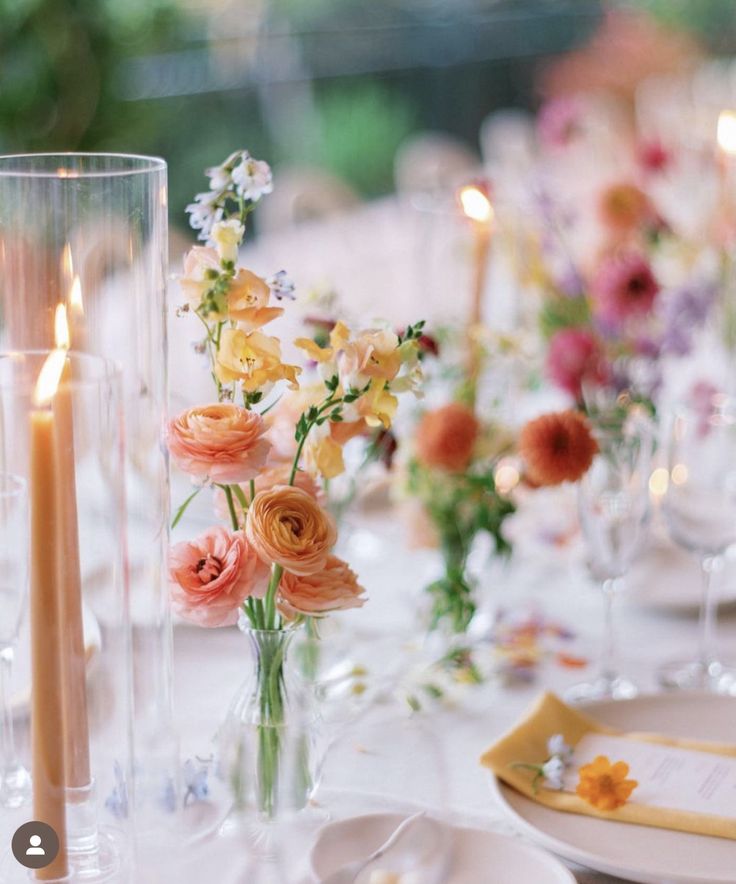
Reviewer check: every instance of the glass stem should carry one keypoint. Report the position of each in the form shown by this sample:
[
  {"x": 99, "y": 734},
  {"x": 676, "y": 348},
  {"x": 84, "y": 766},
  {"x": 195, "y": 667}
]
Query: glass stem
[
  {"x": 608, "y": 654},
  {"x": 710, "y": 566},
  {"x": 7, "y": 738}
]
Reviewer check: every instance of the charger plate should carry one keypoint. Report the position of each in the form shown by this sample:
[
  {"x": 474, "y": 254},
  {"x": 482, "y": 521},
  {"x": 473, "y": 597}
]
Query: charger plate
[{"x": 638, "y": 853}]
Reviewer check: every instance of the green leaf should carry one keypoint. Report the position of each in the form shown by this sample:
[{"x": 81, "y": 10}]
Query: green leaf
[{"x": 182, "y": 509}]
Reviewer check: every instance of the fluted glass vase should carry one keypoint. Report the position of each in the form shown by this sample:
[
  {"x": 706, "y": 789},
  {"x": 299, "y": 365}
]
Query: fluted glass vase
[{"x": 266, "y": 741}]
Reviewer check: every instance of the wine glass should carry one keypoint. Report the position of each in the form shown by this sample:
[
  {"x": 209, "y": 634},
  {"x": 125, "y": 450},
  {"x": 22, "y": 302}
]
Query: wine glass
[
  {"x": 613, "y": 504},
  {"x": 700, "y": 511},
  {"x": 15, "y": 781}
]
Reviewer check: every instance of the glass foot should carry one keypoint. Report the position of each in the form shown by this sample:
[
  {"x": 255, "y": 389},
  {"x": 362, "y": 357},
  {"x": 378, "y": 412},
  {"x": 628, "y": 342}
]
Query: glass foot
[
  {"x": 695, "y": 675},
  {"x": 602, "y": 688},
  {"x": 15, "y": 787}
]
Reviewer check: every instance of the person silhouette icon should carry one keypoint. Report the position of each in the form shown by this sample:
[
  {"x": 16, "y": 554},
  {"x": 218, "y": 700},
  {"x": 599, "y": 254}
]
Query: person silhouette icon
[{"x": 35, "y": 849}]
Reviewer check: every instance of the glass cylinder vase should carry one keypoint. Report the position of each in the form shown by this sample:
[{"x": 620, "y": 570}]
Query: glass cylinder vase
[
  {"x": 61, "y": 436},
  {"x": 265, "y": 743},
  {"x": 90, "y": 231}
]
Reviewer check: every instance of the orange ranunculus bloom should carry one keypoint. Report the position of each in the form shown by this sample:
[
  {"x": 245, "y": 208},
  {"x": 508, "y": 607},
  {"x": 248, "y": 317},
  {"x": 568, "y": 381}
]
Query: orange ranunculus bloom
[
  {"x": 254, "y": 359},
  {"x": 221, "y": 442},
  {"x": 334, "y": 587},
  {"x": 286, "y": 526},
  {"x": 604, "y": 785},
  {"x": 557, "y": 448},
  {"x": 446, "y": 437}
]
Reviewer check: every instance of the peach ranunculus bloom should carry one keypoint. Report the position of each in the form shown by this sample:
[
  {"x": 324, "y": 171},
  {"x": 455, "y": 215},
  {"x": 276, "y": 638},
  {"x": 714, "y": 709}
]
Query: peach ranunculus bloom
[
  {"x": 446, "y": 437},
  {"x": 286, "y": 526},
  {"x": 211, "y": 577},
  {"x": 254, "y": 359},
  {"x": 334, "y": 587},
  {"x": 265, "y": 480},
  {"x": 221, "y": 442}
]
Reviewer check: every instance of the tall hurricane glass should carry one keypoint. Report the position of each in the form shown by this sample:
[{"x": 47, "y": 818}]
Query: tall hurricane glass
[{"x": 90, "y": 231}]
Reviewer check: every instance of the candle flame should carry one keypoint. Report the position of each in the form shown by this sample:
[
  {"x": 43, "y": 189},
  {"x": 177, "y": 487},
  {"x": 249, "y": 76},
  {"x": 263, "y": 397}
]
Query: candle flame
[
  {"x": 49, "y": 377},
  {"x": 67, "y": 173},
  {"x": 67, "y": 263},
  {"x": 727, "y": 132},
  {"x": 75, "y": 296},
  {"x": 475, "y": 203},
  {"x": 61, "y": 328}
]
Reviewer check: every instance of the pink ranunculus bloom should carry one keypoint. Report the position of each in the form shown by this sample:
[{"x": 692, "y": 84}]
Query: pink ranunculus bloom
[
  {"x": 223, "y": 442},
  {"x": 624, "y": 287},
  {"x": 211, "y": 577},
  {"x": 575, "y": 355},
  {"x": 334, "y": 588}
]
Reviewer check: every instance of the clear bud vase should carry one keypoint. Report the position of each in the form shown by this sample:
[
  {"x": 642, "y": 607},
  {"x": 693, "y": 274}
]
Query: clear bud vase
[{"x": 265, "y": 743}]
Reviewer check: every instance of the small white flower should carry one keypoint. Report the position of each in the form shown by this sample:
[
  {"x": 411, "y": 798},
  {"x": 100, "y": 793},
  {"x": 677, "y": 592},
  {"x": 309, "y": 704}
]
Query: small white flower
[
  {"x": 221, "y": 177},
  {"x": 556, "y": 745},
  {"x": 226, "y": 236},
  {"x": 553, "y": 771},
  {"x": 281, "y": 286},
  {"x": 203, "y": 213},
  {"x": 253, "y": 178}
]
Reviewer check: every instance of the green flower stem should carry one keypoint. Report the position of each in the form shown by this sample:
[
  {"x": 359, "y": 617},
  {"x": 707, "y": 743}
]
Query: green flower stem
[
  {"x": 270, "y": 677},
  {"x": 270, "y": 601},
  {"x": 231, "y": 506},
  {"x": 326, "y": 406}
]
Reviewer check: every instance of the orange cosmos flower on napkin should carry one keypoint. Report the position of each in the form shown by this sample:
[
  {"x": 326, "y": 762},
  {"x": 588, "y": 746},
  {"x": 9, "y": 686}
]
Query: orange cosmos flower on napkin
[
  {"x": 604, "y": 785},
  {"x": 212, "y": 576},
  {"x": 446, "y": 437},
  {"x": 254, "y": 359},
  {"x": 222, "y": 442},
  {"x": 334, "y": 588},
  {"x": 557, "y": 448},
  {"x": 287, "y": 526}
]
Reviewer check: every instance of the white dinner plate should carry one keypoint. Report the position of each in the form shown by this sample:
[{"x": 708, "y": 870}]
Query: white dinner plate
[
  {"x": 638, "y": 853},
  {"x": 474, "y": 856}
]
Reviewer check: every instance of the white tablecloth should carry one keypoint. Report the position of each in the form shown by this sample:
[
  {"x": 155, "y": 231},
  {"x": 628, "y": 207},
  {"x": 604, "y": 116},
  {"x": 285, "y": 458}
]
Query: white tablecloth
[{"x": 210, "y": 664}]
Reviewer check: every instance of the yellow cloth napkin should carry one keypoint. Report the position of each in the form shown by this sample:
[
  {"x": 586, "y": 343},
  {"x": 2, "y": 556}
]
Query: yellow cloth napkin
[{"x": 527, "y": 743}]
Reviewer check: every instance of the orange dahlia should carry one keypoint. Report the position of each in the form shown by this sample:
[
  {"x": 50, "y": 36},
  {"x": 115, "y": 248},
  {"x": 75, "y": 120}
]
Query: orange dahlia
[
  {"x": 604, "y": 785},
  {"x": 557, "y": 448}
]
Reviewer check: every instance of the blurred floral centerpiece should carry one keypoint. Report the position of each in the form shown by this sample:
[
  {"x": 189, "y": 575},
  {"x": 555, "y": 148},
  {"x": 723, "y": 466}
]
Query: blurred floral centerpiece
[
  {"x": 452, "y": 474},
  {"x": 271, "y": 567},
  {"x": 625, "y": 282}
]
